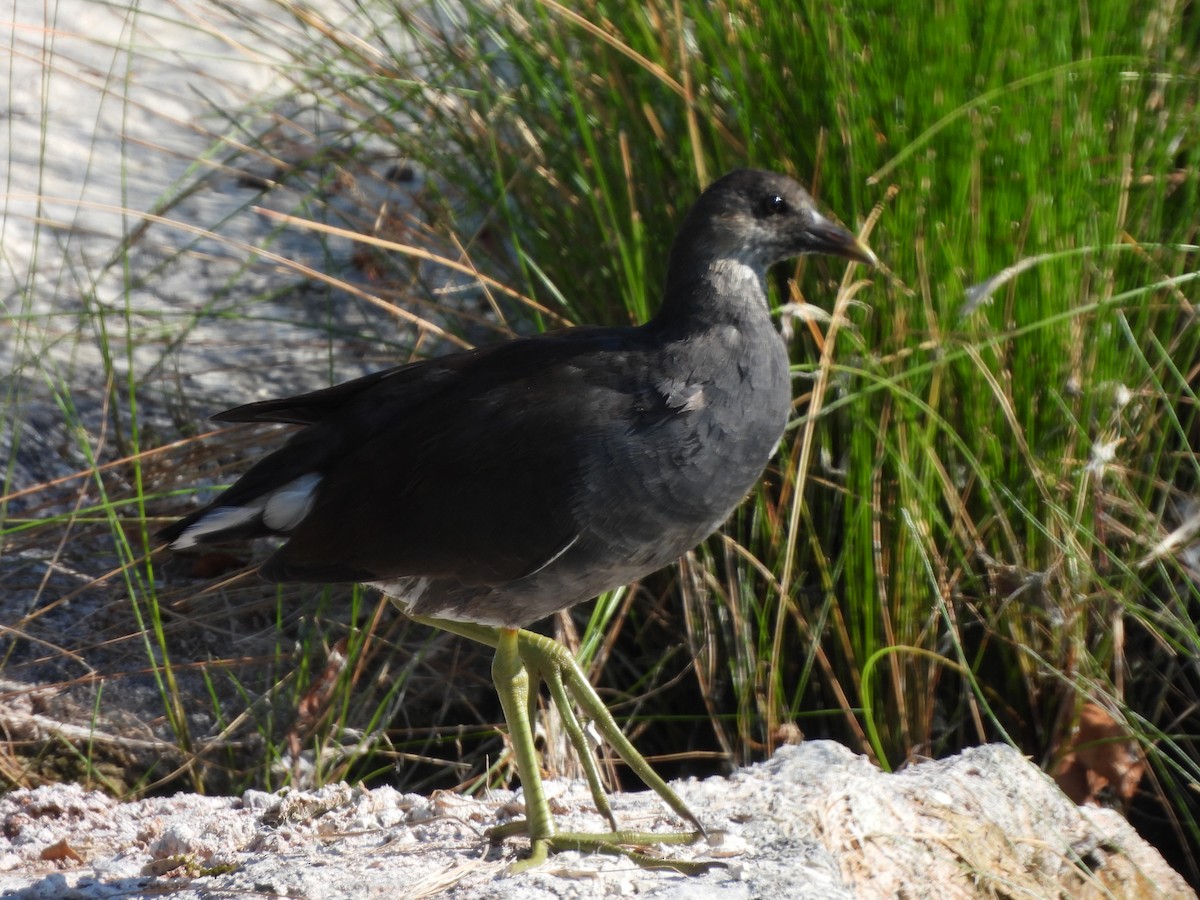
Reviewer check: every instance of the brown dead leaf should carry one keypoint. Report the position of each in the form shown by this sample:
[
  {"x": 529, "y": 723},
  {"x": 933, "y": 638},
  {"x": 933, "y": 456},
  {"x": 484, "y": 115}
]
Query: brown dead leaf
[
  {"x": 1102, "y": 754},
  {"x": 312, "y": 705}
]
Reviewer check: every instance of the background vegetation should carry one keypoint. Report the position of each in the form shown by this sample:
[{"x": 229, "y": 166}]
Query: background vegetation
[{"x": 982, "y": 522}]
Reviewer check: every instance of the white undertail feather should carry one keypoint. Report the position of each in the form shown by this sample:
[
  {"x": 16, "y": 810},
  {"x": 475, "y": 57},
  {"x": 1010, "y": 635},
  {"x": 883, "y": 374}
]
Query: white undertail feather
[
  {"x": 281, "y": 510},
  {"x": 287, "y": 507},
  {"x": 220, "y": 519}
]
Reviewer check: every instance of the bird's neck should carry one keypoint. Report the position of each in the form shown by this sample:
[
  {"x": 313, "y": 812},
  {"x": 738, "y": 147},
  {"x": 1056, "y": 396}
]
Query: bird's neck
[{"x": 714, "y": 293}]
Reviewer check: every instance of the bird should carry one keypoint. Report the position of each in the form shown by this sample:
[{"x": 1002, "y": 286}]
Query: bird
[{"x": 487, "y": 489}]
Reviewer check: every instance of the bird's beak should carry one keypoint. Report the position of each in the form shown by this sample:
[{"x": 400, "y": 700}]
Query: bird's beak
[{"x": 831, "y": 238}]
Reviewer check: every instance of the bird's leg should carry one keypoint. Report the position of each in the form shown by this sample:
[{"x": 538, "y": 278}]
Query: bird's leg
[
  {"x": 562, "y": 673},
  {"x": 547, "y": 658},
  {"x": 523, "y": 658},
  {"x": 490, "y": 636},
  {"x": 583, "y": 750},
  {"x": 511, "y": 678},
  {"x": 559, "y": 668},
  {"x": 484, "y": 634}
]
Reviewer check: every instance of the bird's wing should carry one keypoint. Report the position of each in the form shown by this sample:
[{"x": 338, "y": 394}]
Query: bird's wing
[
  {"x": 466, "y": 466},
  {"x": 480, "y": 482},
  {"x": 408, "y": 384}
]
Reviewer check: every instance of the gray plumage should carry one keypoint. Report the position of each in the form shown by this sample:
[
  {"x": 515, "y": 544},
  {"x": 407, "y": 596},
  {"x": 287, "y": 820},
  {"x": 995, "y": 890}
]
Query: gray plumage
[{"x": 503, "y": 484}]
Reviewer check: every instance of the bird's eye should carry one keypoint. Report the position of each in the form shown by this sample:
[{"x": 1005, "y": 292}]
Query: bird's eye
[{"x": 775, "y": 205}]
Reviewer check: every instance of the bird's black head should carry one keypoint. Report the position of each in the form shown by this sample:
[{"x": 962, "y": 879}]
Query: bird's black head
[{"x": 760, "y": 218}]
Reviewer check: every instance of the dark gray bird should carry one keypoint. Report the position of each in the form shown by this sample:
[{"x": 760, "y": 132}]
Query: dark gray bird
[{"x": 497, "y": 486}]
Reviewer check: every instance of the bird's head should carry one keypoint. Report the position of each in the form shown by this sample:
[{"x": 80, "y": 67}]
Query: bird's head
[{"x": 760, "y": 218}]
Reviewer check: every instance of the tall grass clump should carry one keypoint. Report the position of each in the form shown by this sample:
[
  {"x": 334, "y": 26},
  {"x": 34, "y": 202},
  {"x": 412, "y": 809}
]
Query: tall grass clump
[{"x": 981, "y": 521}]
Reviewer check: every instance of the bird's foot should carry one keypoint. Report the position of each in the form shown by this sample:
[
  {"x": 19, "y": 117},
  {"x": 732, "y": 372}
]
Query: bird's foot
[
  {"x": 550, "y": 661},
  {"x": 632, "y": 845},
  {"x": 523, "y": 660}
]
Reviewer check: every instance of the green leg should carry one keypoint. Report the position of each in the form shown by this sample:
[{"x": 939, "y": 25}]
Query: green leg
[
  {"x": 583, "y": 750},
  {"x": 558, "y": 667},
  {"x": 490, "y": 636},
  {"x": 524, "y": 658},
  {"x": 511, "y": 678}
]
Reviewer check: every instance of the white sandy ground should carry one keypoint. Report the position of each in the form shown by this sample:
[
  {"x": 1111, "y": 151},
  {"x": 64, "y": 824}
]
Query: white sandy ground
[
  {"x": 114, "y": 115},
  {"x": 108, "y": 110},
  {"x": 816, "y": 822}
]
